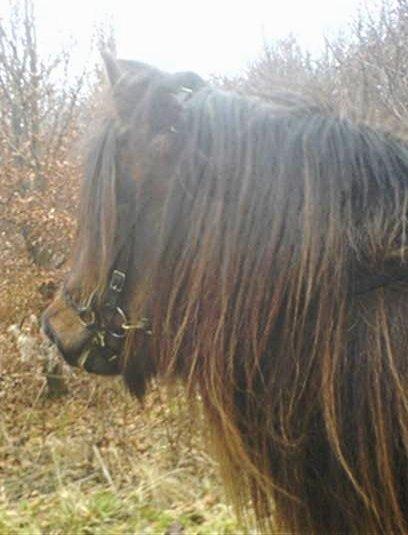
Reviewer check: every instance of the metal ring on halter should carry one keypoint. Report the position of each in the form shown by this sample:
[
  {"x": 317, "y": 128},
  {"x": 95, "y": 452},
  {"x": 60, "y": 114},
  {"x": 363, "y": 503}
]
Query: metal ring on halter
[
  {"x": 141, "y": 325},
  {"x": 87, "y": 317},
  {"x": 117, "y": 334},
  {"x": 122, "y": 315},
  {"x": 85, "y": 312},
  {"x": 90, "y": 299},
  {"x": 122, "y": 333}
]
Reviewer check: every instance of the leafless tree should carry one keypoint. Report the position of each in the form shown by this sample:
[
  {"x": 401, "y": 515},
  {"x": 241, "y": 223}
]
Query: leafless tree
[
  {"x": 39, "y": 97},
  {"x": 362, "y": 72}
]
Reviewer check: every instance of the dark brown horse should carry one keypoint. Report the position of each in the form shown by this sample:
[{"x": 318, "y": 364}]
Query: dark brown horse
[{"x": 259, "y": 252}]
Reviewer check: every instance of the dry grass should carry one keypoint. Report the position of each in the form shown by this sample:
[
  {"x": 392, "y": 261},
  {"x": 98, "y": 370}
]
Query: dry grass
[{"x": 95, "y": 461}]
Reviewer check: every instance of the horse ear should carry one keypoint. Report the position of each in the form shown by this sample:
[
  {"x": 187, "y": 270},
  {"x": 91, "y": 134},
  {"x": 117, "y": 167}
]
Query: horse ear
[
  {"x": 112, "y": 67},
  {"x": 115, "y": 68}
]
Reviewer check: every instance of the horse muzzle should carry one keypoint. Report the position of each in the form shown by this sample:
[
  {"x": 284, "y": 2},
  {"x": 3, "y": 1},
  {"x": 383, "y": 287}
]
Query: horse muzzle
[
  {"x": 94, "y": 356},
  {"x": 99, "y": 357}
]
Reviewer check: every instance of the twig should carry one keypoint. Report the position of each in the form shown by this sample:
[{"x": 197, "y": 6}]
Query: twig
[{"x": 103, "y": 466}]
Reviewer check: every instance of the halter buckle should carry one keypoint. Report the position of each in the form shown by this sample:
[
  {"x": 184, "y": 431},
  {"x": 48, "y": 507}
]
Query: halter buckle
[
  {"x": 117, "y": 281},
  {"x": 116, "y": 285}
]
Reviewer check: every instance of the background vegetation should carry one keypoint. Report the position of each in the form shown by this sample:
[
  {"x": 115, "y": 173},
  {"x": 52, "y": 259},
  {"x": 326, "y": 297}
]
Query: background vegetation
[{"x": 81, "y": 456}]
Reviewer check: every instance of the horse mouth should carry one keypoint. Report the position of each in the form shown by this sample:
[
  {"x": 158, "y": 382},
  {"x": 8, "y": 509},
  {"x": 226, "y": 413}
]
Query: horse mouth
[
  {"x": 90, "y": 356},
  {"x": 99, "y": 360}
]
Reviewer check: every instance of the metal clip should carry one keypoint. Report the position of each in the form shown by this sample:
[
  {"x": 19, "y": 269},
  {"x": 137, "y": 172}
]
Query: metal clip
[{"x": 101, "y": 338}]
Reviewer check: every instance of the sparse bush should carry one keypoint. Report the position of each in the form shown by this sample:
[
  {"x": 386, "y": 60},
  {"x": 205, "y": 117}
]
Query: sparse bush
[{"x": 361, "y": 74}]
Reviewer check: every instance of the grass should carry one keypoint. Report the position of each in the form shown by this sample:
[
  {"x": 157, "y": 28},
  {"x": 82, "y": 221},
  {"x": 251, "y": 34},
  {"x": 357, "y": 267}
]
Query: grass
[
  {"x": 96, "y": 462},
  {"x": 107, "y": 511}
]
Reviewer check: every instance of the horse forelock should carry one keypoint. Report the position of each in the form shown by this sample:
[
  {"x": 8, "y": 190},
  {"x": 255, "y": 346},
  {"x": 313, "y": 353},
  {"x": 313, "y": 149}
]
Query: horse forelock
[{"x": 97, "y": 212}]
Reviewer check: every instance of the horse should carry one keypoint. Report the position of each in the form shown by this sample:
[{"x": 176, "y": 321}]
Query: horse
[{"x": 256, "y": 252}]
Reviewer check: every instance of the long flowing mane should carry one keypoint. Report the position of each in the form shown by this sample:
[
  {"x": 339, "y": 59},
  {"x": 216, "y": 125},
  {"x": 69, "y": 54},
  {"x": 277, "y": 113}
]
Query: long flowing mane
[{"x": 278, "y": 291}]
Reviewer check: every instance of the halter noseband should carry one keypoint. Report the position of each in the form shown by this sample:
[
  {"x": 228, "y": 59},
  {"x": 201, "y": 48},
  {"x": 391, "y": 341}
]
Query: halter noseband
[
  {"x": 99, "y": 318},
  {"x": 100, "y": 322}
]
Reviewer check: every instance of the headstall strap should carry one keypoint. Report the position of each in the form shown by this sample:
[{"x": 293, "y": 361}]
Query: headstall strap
[
  {"x": 119, "y": 269},
  {"x": 111, "y": 303}
]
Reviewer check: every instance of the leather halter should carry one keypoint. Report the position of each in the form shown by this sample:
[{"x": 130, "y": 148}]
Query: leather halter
[
  {"x": 100, "y": 318},
  {"x": 105, "y": 318}
]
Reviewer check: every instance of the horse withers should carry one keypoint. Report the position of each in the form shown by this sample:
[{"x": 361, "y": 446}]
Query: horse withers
[{"x": 258, "y": 251}]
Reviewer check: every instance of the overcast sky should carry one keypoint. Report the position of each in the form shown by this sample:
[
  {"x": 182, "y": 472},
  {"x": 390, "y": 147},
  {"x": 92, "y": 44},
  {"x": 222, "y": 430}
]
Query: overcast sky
[{"x": 206, "y": 36}]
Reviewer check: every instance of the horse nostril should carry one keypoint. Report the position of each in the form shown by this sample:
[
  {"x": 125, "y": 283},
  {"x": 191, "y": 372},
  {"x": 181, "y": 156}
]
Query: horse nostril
[{"x": 70, "y": 353}]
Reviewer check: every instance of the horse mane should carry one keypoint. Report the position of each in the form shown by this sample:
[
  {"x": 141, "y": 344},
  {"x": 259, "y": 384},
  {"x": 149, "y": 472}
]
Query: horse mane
[{"x": 277, "y": 222}]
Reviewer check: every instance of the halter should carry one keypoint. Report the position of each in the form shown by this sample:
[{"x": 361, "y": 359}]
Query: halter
[{"x": 100, "y": 319}]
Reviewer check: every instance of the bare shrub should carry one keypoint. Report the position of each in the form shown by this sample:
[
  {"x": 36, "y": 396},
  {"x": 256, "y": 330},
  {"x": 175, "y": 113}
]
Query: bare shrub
[{"x": 362, "y": 73}]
